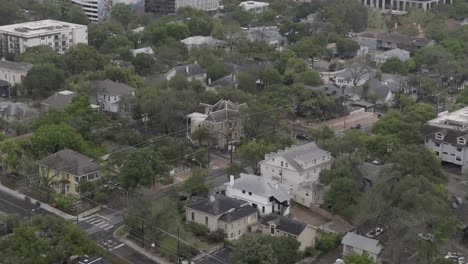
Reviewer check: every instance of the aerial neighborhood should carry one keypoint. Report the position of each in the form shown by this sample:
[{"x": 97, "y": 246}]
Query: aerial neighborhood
[{"x": 243, "y": 132}]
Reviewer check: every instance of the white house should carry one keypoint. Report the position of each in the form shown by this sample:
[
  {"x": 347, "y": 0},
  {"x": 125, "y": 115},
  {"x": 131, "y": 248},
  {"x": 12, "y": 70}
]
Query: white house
[
  {"x": 400, "y": 54},
  {"x": 353, "y": 76},
  {"x": 191, "y": 71},
  {"x": 295, "y": 165},
  {"x": 202, "y": 41},
  {"x": 447, "y": 137},
  {"x": 354, "y": 243},
  {"x": 58, "y": 35},
  {"x": 267, "y": 197},
  {"x": 254, "y": 6},
  {"x": 110, "y": 95},
  {"x": 145, "y": 50},
  {"x": 13, "y": 72}
]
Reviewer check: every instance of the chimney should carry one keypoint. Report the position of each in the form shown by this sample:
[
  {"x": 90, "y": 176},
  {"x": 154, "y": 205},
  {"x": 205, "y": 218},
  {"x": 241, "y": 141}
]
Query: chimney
[
  {"x": 231, "y": 180},
  {"x": 209, "y": 80},
  {"x": 187, "y": 69},
  {"x": 212, "y": 198}
]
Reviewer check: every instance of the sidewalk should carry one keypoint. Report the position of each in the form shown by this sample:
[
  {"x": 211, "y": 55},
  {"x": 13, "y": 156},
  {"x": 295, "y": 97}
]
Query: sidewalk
[
  {"x": 44, "y": 206},
  {"x": 143, "y": 251}
]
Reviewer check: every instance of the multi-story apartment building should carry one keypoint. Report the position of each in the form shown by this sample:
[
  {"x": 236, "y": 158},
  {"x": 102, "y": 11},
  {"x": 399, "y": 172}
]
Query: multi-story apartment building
[
  {"x": 447, "y": 136},
  {"x": 164, "y": 7},
  {"x": 404, "y": 5},
  {"x": 95, "y": 10},
  {"x": 222, "y": 120},
  {"x": 58, "y": 35},
  {"x": 296, "y": 166},
  {"x": 254, "y": 6}
]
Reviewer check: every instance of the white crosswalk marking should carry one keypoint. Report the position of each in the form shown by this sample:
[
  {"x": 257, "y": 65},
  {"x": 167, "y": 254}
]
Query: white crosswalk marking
[
  {"x": 116, "y": 247},
  {"x": 90, "y": 220},
  {"x": 97, "y": 222},
  {"x": 109, "y": 227},
  {"x": 102, "y": 225}
]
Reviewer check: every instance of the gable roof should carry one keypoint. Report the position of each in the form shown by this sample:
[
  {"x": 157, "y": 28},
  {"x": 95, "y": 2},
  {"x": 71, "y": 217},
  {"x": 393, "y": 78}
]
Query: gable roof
[
  {"x": 59, "y": 99},
  {"x": 261, "y": 186},
  {"x": 361, "y": 242},
  {"x": 70, "y": 161},
  {"x": 295, "y": 154},
  {"x": 189, "y": 70},
  {"x": 397, "y": 38},
  {"x": 229, "y": 80},
  {"x": 18, "y": 110},
  {"x": 216, "y": 205},
  {"x": 15, "y": 66},
  {"x": 401, "y": 54},
  {"x": 450, "y": 135},
  {"x": 238, "y": 213},
  {"x": 284, "y": 224},
  {"x": 113, "y": 88},
  {"x": 223, "y": 110}
]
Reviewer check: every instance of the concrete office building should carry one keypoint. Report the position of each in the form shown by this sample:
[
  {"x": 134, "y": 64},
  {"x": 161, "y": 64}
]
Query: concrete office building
[
  {"x": 96, "y": 10},
  {"x": 403, "y": 5},
  {"x": 58, "y": 35},
  {"x": 164, "y": 7}
]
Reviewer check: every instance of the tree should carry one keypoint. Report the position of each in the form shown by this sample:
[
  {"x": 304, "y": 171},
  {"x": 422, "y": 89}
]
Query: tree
[
  {"x": 46, "y": 239},
  {"x": 8, "y": 12},
  {"x": 75, "y": 14},
  {"x": 357, "y": 72},
  {"x": 441, "y": 260},
  {"x": 251, "y": 248},
  {"x": 395, "y": 66},
  {"x": 343, "y": 196},
  {"x": 143, "y": 167},
  {"x": 253, "y": 152},
  {"x": 9, "y": 157},
  {"x": 271, "y": 76},
  {"x": 82, "y": 117},
  {"x": 144, "y": 64},
  {"x": 347, "y": 48},
  {"x": 216, "y": 71},
  {"x": 122, "y": 13},
  {"x": 83, "y": 58},
  {"x": 244, "y": 18},
  {"x": 52, "y": 138},
  {"x": 44, "y": 79},
  {"x": 356, "y": 258},
  {"x": 310, "y": 77},
  {"x": 196, "y": 184}
]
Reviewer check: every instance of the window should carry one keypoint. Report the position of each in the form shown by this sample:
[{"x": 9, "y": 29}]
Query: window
[
  {"x": 458, "y": 158},
  {"x": 193, "y": 216},
  {"x": 282, "y": 164},
  {"x": 42, "y": 37},
  {"x": 272, "y": 230},
  {"x": 445, "y": 153},
  {"x": 250, "y": 193},
  {"x": 286, "y": 164},
  {"x": 263, "y": 209},
  {"x": 461, "y": 141},
  {"x": 254, "y": 205},
  {"x": 307, "y": 194},
  {"x": 238, "y": 232},
  {"x": 315, "y": 161},
  {"x": 49, "y": 37},
  {"x": 206, "y": 220},
  {"x": 427, "y": 140},
  {"x": 232, "y": 235},
  {"x": 439, "y": 135},
  {"x": 459, "y": 149},
  {"x": 225, "y": 235},
  {"x": 243, "y": 191},
  {"x": 437, "y": 153},
  {"x": 437, "y": 144}
]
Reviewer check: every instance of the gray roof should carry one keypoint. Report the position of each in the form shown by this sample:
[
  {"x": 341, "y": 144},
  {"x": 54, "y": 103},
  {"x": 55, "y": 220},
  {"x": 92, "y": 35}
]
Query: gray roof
[
  {"x": 348, "y": 74},
  {"x": 249, "y": 65},
  {"x": 295, "y": 154},
  {"x": 216, "y": 204},
  {"x": 284, "y": 224},
  {"x": 312, "y": 185},
  {"x": 15, "y": 66},
  {"x": 202, "y": 40},
  {"x": 18, "y": 110},
  {"x": 361, "y": 242},
  {"x": 223, "y": 110},
  {"x": 267, "y": 34},
  {"x": 399, "y": 39},
  {"x": 59, "y": 99},
  {"x": 228, "y": 80},
  {"x": 261, "y": 186},
  {"x": 400, "y": 54},
  {"x": 189, "y": 70},
  {"x": 238, "y": 213},
  {"x": 70, "y": 161},
  {"x": 112, "y": 88}
]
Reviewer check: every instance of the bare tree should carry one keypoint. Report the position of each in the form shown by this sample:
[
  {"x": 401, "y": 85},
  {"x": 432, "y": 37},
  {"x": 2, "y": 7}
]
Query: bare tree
[{"x": 357, "y": 72}]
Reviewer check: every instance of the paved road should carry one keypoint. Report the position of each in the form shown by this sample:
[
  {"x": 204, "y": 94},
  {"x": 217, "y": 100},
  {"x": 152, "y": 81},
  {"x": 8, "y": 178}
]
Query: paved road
[{"x": 99, "y": 228}]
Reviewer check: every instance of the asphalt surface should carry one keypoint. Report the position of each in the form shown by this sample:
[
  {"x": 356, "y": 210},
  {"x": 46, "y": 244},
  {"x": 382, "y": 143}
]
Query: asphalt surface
[{"x": 99, "y": 229}]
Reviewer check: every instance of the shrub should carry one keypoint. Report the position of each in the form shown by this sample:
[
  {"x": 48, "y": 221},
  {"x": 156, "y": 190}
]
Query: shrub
[
  {"x": 64, "y": 203},
  {"x": 101, "y": 197},
  {"x": 197, "y": 229},
  {"x": 216, "y": 236},
  {"x": 327, "y": 243}
]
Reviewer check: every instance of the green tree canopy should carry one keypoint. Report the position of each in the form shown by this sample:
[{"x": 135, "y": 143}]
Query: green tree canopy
[
  {"x": 358, "y": 259},
  {"x": 52, "y": 138},
  {"x": 44, "y": 79}
]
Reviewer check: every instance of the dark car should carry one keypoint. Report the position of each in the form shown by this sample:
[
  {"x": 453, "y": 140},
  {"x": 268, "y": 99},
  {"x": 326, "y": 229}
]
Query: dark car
[{"x": 302, "y": 137}]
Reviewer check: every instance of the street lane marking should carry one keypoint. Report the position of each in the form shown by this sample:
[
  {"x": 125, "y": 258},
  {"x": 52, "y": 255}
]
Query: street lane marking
[
  {"x": 109, "y": 227},
  {"x": 116, "y": 247},
  {"x": 94, "y": 261}
]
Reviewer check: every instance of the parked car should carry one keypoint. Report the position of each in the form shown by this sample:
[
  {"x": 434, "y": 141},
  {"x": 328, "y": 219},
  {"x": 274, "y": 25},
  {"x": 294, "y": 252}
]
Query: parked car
[
  {"x": 357, "y": 126},
  {"x": 375, "y": 232},
  {"x": 302, "y": 136}
]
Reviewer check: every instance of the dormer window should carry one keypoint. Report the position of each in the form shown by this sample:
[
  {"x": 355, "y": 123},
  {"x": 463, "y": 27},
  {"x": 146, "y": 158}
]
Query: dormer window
[
  {"x": 461, "y": 141},
  {"x": 439, "y": 135}
]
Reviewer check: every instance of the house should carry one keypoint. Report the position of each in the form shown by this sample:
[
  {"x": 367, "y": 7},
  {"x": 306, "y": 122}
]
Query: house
[
  {"x": 5, "y": 89},
  {"x": 267, "y": 197},
  {"x": 66, "y": 169},
  {"x": 295, "y": 165},
  {"x": 222, "y": 120},
  {"x": 112, "y": 96},
  {"x": 226, "y": 81},
  {"x": 11, "y": 112},
  {"x": 234, "y": 217},
  {"x": 354, "y": 243},
  {"x": 58, "y": 35},
  {"x": 146, "y": 50},
  {"x": 400, "y": 54},
  {"x": 355, "y": 75},
  {"x": 389, "y": 41},
  {"x": 191, "y": 72},
  {"x": 311, "y": 193},
  {"x": 447, "y": 137},
  {"x": 254, "y": 6},
  {"x": 277, "y": 225},
  {"x": 202, "y": 41},
  {"x": 269, "y": 35},
  {"x": 58, "y": 101},
  {"x": 13, "y": 72}
]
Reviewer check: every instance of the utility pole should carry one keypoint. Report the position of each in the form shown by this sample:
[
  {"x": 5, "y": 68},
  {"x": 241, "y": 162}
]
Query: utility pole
[
  {"x": 178, "y": 244},
  {"x": 142, "y": 232},
  {"x": 144, "y": 118}
]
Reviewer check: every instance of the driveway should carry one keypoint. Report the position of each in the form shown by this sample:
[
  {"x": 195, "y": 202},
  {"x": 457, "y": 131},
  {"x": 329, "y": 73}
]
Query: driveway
[{"x": 305, "y": 215}]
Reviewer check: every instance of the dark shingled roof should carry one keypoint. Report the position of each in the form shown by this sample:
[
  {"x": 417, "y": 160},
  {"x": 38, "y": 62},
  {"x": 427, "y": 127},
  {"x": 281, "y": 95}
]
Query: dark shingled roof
[
  {"x": 216, "y": 205},
  {"x": 228, "y": 80},
  {"x": 451, "y": 135},
  {"x": 239, "y": 213},
  {"x": 59, "y": 99},
  {"x": 285, "y": 224},
  {"x": 71, "y": 162},
  {"x": 112, "y": 88},
  {"x": 189, "y": 70}
]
